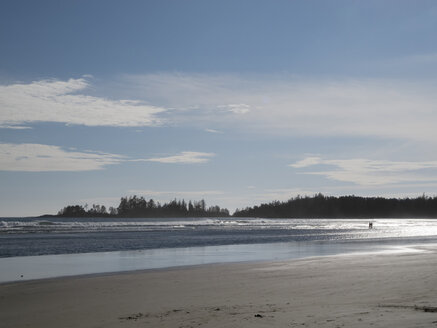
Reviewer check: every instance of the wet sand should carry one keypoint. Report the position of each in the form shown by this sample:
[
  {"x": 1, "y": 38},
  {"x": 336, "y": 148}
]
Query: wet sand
[{"x": 373, "y": 290}]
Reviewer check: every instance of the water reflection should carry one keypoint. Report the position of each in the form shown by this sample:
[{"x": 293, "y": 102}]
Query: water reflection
[{"x": 47, "y": 266}]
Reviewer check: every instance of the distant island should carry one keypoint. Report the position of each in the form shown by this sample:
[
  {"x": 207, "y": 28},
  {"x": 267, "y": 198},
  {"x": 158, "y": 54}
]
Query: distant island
[
  {"x": 317, "y": 206},
  {"x": 139, "y": 207}
]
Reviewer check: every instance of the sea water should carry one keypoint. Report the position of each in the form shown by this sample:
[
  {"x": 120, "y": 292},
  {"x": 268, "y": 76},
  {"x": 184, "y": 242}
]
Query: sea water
[{"x": 33, "y": 248}]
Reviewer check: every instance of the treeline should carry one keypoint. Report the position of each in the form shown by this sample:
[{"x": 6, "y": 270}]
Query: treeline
[
  {"x": 320, "y": 206},
  {"x": 135, "y": 206},
  {"x": 317, "y": 206}
]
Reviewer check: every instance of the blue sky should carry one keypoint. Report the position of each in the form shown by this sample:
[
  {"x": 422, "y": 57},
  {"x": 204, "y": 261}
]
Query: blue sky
[{"x": 236, "y": 102}]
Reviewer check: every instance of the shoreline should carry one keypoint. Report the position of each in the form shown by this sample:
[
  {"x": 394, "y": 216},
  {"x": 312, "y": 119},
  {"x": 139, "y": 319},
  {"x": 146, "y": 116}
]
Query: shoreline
[
  {"x": 401, "y": 250},
  {"x": 30, "y": 268},
  {"x": 379, "y": 290}
]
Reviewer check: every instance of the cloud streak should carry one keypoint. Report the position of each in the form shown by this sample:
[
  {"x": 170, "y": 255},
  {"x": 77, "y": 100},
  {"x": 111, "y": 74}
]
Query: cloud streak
[
  {"x": 65, "y": 102},
  {"x": 46, "y": 158},
  {"x": 236, "y": 108},
  {"x": 264, "y": 104},
  {"x": 293, "y": 106},
  {"x": 213, "y": 131},
  {"x": 367, "y": 172},
  {"x": 185, "y": 157}
]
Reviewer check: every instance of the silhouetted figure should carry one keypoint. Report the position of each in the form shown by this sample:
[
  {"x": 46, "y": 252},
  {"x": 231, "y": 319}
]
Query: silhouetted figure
[{"x": 370, "y": 225}]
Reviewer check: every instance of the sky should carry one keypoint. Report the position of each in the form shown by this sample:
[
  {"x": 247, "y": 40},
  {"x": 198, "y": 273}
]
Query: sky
[{"x": 235, "y": 102}]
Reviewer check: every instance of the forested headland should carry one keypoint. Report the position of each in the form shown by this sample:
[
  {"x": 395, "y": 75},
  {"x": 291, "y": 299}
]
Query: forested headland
[
  {"x": 317, "y": 206},
  {"x": 320, "y": 206}
]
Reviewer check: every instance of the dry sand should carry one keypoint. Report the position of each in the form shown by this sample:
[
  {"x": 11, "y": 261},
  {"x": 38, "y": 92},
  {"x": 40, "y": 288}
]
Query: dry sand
[{"x": 378, "y": 290}]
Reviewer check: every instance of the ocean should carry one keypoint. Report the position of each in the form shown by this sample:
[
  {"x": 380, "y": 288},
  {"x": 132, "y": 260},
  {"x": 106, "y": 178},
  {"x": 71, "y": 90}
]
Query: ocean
[{"x": 33, "y": 248}]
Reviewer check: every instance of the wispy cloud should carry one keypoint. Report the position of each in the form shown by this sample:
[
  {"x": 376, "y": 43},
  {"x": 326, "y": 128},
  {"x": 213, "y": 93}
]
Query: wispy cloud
[
  {"x": 307, "y": 162},
  {"x": 45, "y": 158},
  {"x": 212, "y": 131},
  {"x": 293, "y": 106},
  {"x": 185, "y": 157},
  {"x": 15, "y": 127},
  {"x": 236, "y": 108},
  {"x": 367, "y": 172},
  {"x": 65, "y": 102},
  {"x": 267, "y": 104}
]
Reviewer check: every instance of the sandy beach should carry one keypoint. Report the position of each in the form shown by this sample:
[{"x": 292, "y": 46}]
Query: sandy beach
[{"x": 378, "y": 290}]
